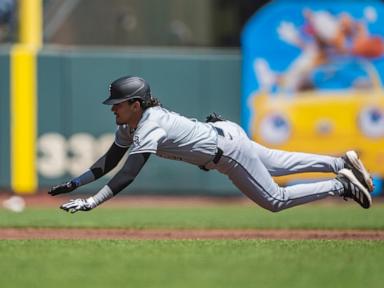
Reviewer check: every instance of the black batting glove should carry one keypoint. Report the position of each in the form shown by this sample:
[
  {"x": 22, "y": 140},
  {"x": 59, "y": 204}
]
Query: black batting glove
[{"x": 63, "y": 188}]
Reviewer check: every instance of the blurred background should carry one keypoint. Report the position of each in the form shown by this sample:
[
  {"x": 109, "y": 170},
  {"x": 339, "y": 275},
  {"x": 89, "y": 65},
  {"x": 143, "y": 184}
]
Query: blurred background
[
  {"x": 269, "y": 65},
  {"x": 179, "y": 23}
]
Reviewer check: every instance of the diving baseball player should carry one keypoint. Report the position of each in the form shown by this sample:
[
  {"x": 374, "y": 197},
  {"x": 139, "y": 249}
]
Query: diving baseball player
[{"x": 145, "y": 128}]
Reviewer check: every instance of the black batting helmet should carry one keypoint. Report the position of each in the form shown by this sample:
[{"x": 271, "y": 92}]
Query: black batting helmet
[{"x": 128, "y": 88}]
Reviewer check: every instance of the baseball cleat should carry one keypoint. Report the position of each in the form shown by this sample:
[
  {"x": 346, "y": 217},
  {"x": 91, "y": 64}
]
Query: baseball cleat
[
  {"x": 353, "y": 188},
  {"x": 352, "y": 162}
]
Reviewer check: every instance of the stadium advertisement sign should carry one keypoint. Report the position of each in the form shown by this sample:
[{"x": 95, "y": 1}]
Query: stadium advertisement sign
[{"x": 313, "y": 77}]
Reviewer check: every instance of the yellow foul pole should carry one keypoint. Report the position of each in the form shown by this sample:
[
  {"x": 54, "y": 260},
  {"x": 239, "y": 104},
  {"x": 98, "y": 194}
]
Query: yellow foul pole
[{"x": 24, "y": 97}]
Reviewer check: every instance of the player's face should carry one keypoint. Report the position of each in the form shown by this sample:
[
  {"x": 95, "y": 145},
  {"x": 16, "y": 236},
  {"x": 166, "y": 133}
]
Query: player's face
[{"x": 127, "y": 113}]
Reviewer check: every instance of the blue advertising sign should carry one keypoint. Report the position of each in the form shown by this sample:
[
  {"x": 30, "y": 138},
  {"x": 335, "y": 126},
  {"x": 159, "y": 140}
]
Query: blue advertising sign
[{"x": 312, "y": 78}]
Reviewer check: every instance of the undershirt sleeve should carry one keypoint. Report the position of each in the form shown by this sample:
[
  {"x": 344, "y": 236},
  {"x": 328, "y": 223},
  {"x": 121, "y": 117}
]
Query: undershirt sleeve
[
  {"x": 109, "y": 161},
  {"x": 128, "y": 173},
  {"x": 123, "y": 136}
]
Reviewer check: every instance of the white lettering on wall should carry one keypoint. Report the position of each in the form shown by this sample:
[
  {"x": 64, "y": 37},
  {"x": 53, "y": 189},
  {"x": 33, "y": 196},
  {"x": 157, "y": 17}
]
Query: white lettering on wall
[{"x": 59, "y": 156}]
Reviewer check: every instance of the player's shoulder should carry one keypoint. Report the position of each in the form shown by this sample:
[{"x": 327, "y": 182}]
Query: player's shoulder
[
  {"x": 154, "y": 114},
  {"x": 125, "y": 129},
  {"x": 150, "y": 117}
]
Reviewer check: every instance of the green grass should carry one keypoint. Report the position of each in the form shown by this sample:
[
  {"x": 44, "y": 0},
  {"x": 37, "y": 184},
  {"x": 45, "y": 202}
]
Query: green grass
[
  {"x": 346, "y": 216},
  {"x": 194, "y": 263},
  {"x": 187, "y": 263}
]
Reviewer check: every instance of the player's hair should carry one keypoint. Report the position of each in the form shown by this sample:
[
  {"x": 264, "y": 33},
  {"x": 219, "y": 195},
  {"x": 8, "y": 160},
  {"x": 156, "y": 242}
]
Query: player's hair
[{"x": 152, "y": 102}]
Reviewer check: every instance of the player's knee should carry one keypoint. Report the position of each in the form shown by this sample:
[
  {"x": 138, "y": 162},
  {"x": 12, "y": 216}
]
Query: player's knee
[
  {"x": 273, "y": 206},
  {"x": 274, "y": 209}
]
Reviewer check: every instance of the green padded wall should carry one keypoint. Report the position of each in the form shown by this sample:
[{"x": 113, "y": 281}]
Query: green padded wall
[
  {"x": 72, "y": 85},
  {"x": 4, "y": 120}
]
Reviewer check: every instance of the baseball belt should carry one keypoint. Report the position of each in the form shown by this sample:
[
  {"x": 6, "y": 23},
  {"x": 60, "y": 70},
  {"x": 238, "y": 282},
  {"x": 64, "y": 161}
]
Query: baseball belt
[{"x": 219, "y": 152}]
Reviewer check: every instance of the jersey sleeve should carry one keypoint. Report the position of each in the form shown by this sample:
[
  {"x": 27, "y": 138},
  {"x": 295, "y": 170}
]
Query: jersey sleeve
[
  {"x": 146, "y": 138},
  {"x": 123, "y": 136}
]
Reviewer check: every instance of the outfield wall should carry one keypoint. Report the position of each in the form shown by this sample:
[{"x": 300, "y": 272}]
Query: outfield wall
[
  {"x": 4, "y": 119},
  {"x": 74, "y": 128}
]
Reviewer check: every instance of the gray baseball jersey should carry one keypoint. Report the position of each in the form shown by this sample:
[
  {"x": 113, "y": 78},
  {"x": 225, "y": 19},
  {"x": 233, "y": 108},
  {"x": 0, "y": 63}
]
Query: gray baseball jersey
[
  {"x": 171, "y": 136},
  {"x": 249, "y": 165}
]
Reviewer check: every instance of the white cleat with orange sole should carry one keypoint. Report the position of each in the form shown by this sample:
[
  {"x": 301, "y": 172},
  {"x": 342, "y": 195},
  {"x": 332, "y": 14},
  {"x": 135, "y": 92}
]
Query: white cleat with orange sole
[
  {"x": 353, "y": 188},
  {"x": 353, "y": 163}
]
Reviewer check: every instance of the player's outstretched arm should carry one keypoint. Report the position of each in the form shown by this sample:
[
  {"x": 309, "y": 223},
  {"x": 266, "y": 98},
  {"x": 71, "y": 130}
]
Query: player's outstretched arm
[
  {"x": 63, "y": 188},
  {"x": 102, "y": 166},
  {"x": 121, "y": 180}
]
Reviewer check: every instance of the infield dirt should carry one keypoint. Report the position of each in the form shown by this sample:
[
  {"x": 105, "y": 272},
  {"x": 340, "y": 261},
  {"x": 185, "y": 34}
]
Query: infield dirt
[
  {"x": 41, "y": 200},
  {"x": 167, "y": 234}
]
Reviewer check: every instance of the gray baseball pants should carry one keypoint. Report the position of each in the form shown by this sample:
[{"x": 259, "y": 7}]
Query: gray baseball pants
[{"x": 250, "y": 166}]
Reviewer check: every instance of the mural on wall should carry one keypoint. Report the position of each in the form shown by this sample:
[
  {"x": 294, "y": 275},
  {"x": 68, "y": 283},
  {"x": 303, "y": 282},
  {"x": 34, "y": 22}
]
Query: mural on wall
[{"x": 313, "y": 78}]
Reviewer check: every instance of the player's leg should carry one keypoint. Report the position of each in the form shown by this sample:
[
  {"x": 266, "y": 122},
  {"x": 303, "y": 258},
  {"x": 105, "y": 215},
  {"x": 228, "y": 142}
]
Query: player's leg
[
  {"x": 249, "y": 173},
  {"x": 259, "y": 186},
  {"x": 254, "y": 180},
  {"x": 279, "y": 162}
]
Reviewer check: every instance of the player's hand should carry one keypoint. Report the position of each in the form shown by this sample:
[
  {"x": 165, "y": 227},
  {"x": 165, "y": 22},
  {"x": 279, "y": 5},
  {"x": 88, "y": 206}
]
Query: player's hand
[
  {"x": 63, "y": 188},
  {"x": 79, "y": 205}
]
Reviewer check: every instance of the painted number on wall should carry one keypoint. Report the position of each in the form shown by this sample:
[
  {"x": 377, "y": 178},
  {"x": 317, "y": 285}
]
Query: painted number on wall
[{"x": 59, "y": 156}]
